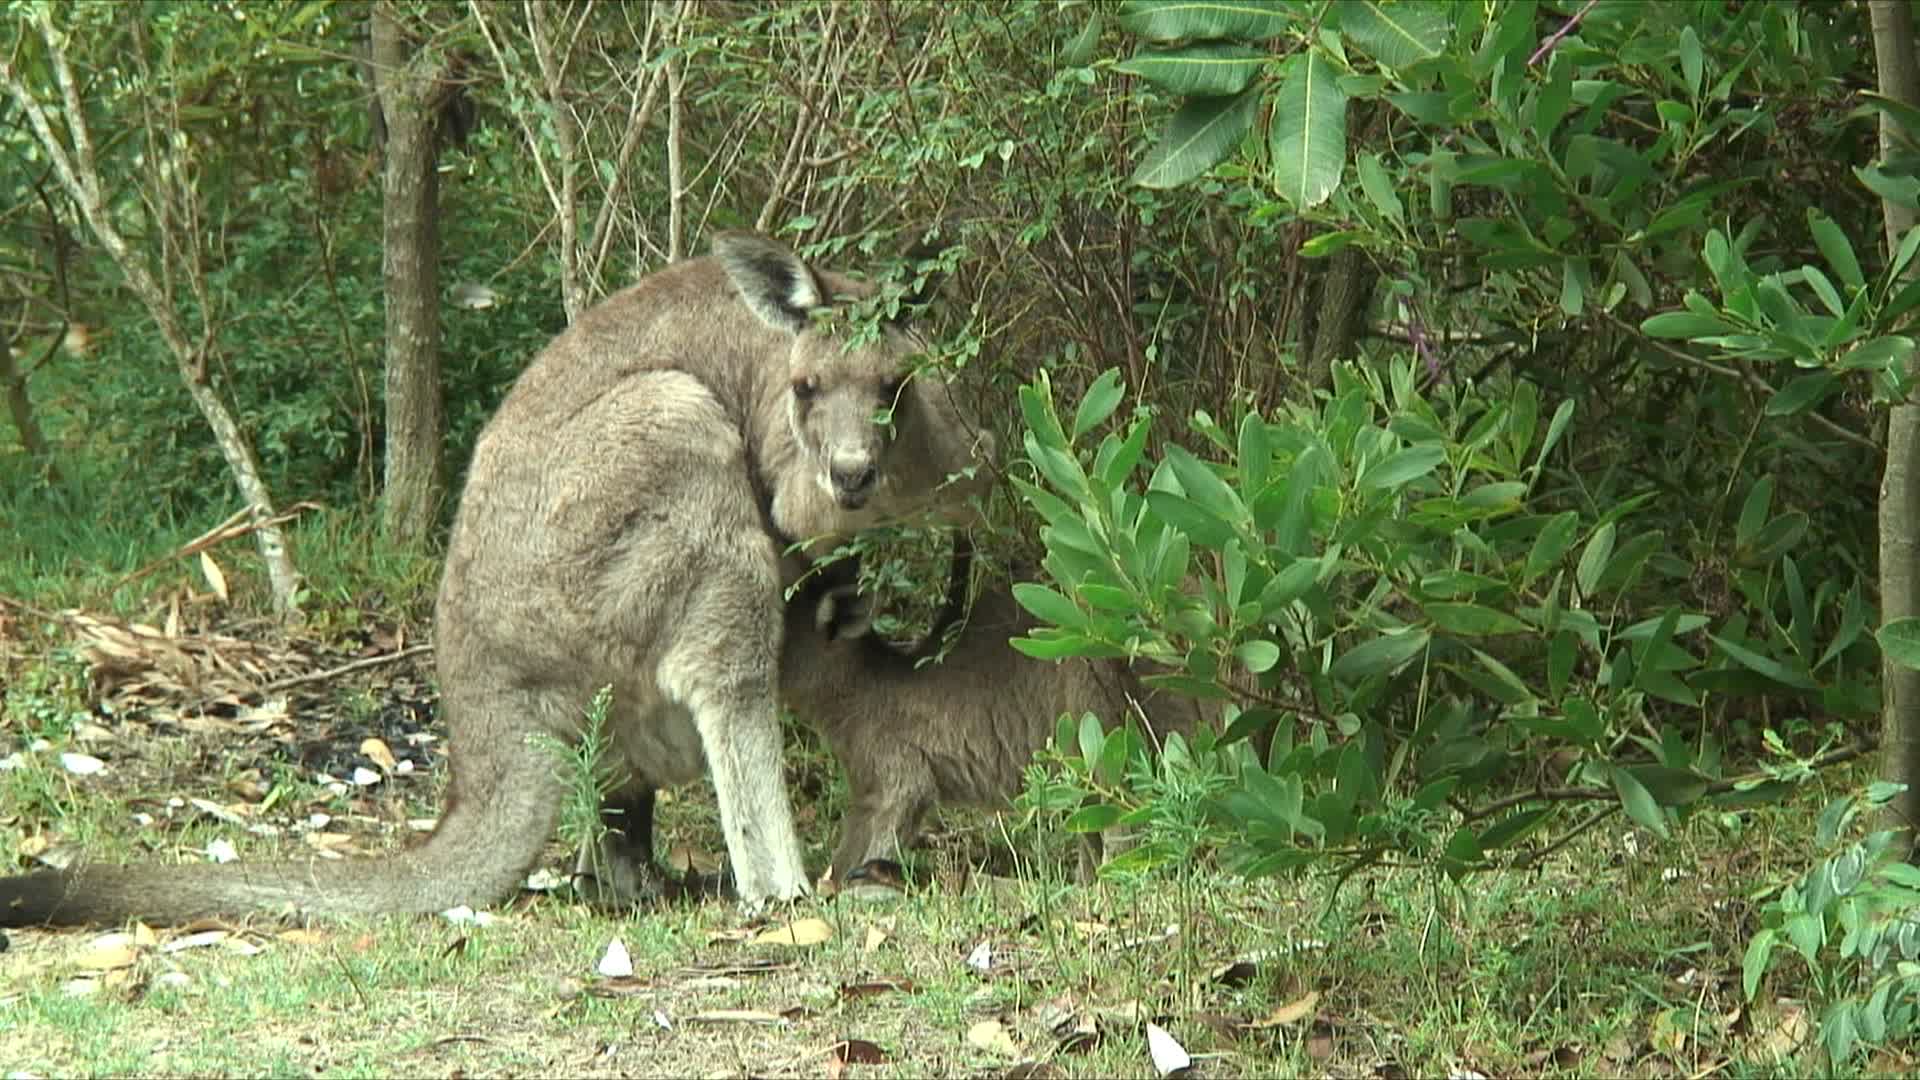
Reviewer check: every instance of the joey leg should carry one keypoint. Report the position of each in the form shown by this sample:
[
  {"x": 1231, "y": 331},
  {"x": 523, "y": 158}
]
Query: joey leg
[{"x": 619, "y": 871}]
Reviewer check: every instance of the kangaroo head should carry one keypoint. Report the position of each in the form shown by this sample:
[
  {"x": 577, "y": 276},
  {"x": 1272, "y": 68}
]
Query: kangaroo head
[{"x": 877, "y": 437}]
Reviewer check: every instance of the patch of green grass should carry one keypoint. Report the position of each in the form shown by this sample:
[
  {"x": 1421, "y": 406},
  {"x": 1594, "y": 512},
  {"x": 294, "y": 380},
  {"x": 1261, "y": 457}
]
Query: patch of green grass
[{"x": 1596, "y": 963}]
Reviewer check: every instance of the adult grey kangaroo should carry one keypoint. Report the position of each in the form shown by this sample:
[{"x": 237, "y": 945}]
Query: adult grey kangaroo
[{"x": 622, "y": 524}]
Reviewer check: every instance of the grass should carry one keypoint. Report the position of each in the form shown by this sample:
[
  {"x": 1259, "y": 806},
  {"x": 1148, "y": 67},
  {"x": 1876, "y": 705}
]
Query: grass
[{"x": 1619, "y": 955}]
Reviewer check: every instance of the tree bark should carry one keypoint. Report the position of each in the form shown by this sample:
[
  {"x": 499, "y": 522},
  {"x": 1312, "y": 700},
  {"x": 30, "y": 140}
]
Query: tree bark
[
  {"x": 80, "y": 175},
  {"x": 20, "y": 407},
  {"x": 1345, "y": 288},
  {"x": 409, "y": 85},
  {"x": 1893, "y": 49}
]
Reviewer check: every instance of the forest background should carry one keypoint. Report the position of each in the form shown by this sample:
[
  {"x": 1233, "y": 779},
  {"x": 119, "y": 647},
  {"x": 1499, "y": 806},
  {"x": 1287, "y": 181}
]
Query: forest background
[{"x": 1508, "y": 405}]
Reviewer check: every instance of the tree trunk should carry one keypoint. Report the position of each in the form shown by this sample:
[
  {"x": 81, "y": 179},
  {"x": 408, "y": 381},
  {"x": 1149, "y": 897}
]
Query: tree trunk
[
  {"x": 20, "y": 407},
  {"x": 80, "y": 176},
  {"x": 408, "y": 87},
  {"x": 1345, "y": 289},
  {"x": 1893, "y": 50}
]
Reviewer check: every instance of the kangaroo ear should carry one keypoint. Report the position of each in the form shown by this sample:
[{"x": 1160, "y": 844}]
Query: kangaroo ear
[
  {"x": 923, "y": 292},
  {"x": 843, "y": 613},
  {"x": 779, "y": 289}
]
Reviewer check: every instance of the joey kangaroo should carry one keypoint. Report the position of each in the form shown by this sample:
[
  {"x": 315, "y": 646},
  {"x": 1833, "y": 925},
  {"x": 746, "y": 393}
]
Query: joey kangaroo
[
  {"x": 623, "y": 523},
  {"x": 961, "y": 731}
]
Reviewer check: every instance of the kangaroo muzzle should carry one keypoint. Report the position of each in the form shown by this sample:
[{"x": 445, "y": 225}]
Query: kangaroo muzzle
[{"x": 853, "y": 479}]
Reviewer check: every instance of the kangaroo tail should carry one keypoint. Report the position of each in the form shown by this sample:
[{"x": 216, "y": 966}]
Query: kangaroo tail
[{"x": 479, "y": 852}]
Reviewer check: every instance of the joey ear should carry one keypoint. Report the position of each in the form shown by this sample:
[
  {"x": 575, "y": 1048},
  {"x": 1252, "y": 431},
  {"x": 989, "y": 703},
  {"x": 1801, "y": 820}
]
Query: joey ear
[
  {"x": 778, "y": 287},
  {"x": 843, "y": 613},
  {"x": 918, "y": 297}
]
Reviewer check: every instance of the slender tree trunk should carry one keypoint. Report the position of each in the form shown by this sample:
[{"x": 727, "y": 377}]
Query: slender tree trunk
[
  {"x": 409, "y": 87},
  {"x": 1345, "y": 289},
  {"x": 20, "y": 407},
  {"x": 1893, "y": 49},
  {"x": 73, "y": 161}
]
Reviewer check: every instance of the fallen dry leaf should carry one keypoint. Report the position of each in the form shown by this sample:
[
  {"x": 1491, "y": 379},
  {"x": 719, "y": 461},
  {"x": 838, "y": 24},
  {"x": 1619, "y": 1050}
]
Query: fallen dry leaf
[
  {"x": 799, "y": 932},
  {"x": 616, "y": 962},
  {"x": 1292, "y": 1012},
  {"x": 684, "y": 860},
  {"x": 1033, "y": 1070},
  {"x": 1234, "y": 975},
  {"x": 852, "y": 1052},
  {"x": 1169, "y": 1057},
  {"x": 876, "y": 987},
  {"x": 992, "y": 1035},
  {"x": 302, "y": 936},
  {"x": 981, "y": 958},
  {"x": 194, "y": 941},
  {"x": 736, "y": 1016},
  {"x": 620, "y": 986},
  {"x": 216, "y": 580},
  {"x": 82, "y": 764},
  {"x": 376, "y": 750},
  {"x": 875, "y": 936},
  {"x": 107, "y": 953}
]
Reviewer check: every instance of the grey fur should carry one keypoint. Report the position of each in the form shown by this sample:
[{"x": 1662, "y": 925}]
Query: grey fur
[
  {"x": 959, "y": 732},
  {"x": 619, "y": 526}
]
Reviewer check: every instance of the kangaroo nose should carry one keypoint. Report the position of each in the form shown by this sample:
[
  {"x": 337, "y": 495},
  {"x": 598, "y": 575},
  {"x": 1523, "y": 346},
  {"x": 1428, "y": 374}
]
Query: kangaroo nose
[{"x": 854, "y": 479}]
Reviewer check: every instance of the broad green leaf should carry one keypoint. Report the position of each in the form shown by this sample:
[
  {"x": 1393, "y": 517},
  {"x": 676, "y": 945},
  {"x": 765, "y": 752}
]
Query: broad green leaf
[
  {"x": 1445, "y": 584},
  {"x": 1200, "y": 525},
  {"x": 1203, "y": 485},
  {"x": 1258, "y": 656},
  {"x": 1059, "y": 467},
  {"x": 1378, "y": 187},
  {"x": 1254, "y": 455},
  {"x": 1900, "y": 641},
  {"x": 1513, "y": 828},
  {"x": 1204, "y": 69},
  {"x": 1639, "y": 802},
  {"x": 1504, "y": 686},
  {"x": 1101, "y": 399},
  {"x": 1560, "y": 657},
  {"x": 1670, "y": 786},
  {"x": 1684, "y": 324},
  {"x": 1172, "y": 20},
  {"x": 1878, "y": 354},
  {"x": 1397, "y": 469},
  {"x": 1759, "y": 952},
  {"x": 1049, "y": 648},
  {"x": 1050, "y": 606},
  {"x": 1288, "y": 585},
  {"x": 1901, "y": 189},
  {"x": 1802, "y": 394},
  {"x": 1307, "y": 137},
  {"x": 1835, "y": 248},
  {"x": 1555, "y": 539},
  {"x": 1199, "y": 135},
  {"x": 1379, "y": 655},
  {"x": 1396, "y": 35},
  {"x": 1080, "y": 50},
  {"x": 1092, "y": 739},
  {"x": 1116, "y": 458},
  {"x": 1472, "y": 619},
  {"x": 1594, "y": 559},
  {"x": 1573, "y": 292},
  {"x": 1753, "y": 512},
  {"x": 1692, "y": 62},
  {"x": 1556, "y": 427},
  {"x": 1091, "y": 819}
]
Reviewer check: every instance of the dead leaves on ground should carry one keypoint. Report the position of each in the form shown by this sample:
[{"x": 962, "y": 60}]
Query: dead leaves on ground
[{"x": 130, "y": 962}]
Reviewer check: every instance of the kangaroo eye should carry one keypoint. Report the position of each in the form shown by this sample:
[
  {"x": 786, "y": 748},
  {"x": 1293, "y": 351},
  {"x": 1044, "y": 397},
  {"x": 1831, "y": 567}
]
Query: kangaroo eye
[{"x": 806, "y": 387}]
